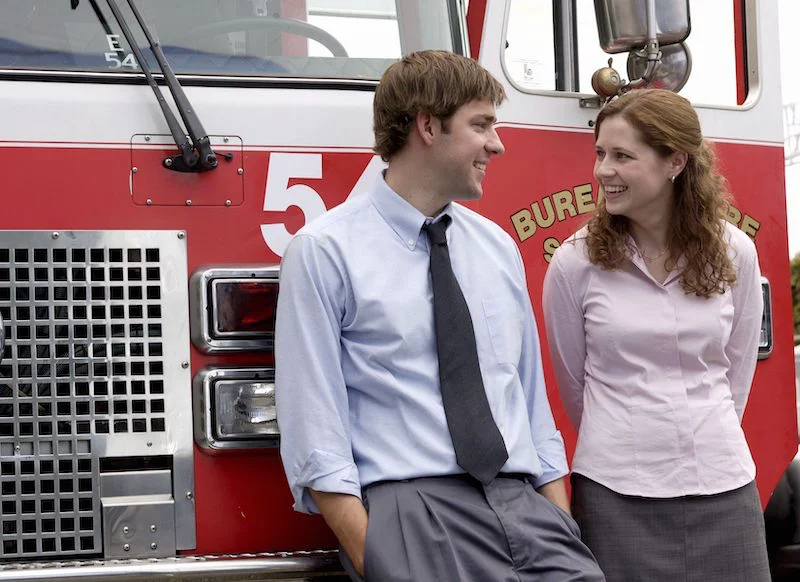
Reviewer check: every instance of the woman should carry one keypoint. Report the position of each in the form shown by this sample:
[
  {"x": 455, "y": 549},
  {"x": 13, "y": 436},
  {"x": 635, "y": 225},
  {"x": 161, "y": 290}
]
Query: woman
[{"x": 653, "y": 313}]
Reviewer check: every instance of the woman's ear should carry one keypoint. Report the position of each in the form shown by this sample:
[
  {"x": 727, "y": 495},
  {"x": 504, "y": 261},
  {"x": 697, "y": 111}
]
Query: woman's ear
[{"x": 678, "y": 161}]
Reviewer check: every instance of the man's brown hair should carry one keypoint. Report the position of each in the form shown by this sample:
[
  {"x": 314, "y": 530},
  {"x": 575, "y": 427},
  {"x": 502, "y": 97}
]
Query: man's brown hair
[{"x": 433, "y": 82}]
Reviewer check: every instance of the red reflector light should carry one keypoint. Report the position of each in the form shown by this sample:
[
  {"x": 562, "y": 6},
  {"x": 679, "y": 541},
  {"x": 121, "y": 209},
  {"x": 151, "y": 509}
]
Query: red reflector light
[
  {"x": 233, "y": 308},
  {"x": 243, "y": 307}
]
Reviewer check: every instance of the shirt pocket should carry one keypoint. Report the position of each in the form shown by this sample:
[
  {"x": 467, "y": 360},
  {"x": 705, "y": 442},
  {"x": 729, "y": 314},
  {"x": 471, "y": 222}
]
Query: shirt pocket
[{"x": 504, "y": 324}]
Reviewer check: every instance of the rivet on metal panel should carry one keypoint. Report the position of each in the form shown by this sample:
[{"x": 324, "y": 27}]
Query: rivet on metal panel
[
  {"x": 227, "y": 203},
  {"x": 56, "y": 235},
  {"x": 149, "y": 202},
  {"x": 149, "y": 443},
  {"x": 17, "y": 448},
  {"x": 126, "y": 530},
  {"x": 184, "y": 365},
  {"x": 168, "y": 162},
  {"x": 181, "y": 235},
  {"x": 134, "y": 169},
  {"x": 189, "y": 495},
  {"x": 127, "y": 547},
  {"x": 226, "y": 139},
  {"x": 154, "y": 546},
  {"x": 241, "y": 171},
  {"x": 153, "y": 528},
  {"x": 188, "y": 203},
  {"x": 147, "y": 138}
]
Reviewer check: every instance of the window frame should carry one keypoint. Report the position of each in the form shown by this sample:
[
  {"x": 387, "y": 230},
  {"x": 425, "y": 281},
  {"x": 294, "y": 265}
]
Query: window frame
[{"x": 746, "y": 49}]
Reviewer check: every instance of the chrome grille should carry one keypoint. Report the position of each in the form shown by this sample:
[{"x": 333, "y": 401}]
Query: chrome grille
[{"x": 94, "y": 330}]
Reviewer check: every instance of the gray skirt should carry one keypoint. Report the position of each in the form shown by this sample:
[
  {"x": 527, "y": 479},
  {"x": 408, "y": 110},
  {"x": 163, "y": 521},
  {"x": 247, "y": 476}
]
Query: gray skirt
[{"x": 708, "y": 538}]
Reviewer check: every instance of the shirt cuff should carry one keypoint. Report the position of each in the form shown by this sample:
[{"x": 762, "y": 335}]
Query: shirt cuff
[
  {"x": 553, "y": 458},
  {"x": 327, "y": 472}
]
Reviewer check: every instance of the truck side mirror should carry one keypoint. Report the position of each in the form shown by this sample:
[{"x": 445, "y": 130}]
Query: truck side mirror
[
  {"x": 654, "y": 34},
  {"x": 622, "y": 24}
]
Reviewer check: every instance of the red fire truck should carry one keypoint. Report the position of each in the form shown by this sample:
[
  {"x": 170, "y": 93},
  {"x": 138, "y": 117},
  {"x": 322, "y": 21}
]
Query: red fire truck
[{"x": 158, "y": 155}]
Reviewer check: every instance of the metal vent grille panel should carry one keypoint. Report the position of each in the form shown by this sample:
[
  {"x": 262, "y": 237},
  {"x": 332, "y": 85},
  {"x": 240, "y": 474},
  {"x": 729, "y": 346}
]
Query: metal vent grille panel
[{"x": 90, "y": 359}]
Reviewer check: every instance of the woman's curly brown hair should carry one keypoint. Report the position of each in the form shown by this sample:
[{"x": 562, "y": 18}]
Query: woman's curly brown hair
[{"x": 668, "y": 123}]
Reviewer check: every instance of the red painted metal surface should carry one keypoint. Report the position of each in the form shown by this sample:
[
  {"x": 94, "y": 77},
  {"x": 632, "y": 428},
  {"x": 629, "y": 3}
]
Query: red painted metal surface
[
  {"x": 152, "y": 185},
  {"x": 476, "y": 14},
  {"x": 242, "y": 500}
]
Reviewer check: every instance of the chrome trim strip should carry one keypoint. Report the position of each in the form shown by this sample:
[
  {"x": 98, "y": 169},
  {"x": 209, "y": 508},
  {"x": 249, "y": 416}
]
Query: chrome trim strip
[
  {"x": 138, "y": 78},
  {"x": 458, "y": 27},
  {"x": 566, "y": 46},
  {"x": 766, "y": 289},
  {"x": 278, "y": 566},
  {"x": 370, "y": 14}
]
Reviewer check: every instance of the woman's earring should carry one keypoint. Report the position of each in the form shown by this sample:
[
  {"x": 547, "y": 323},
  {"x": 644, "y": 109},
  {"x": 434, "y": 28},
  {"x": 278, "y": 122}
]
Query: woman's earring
[{"x": 672, "y": 179}]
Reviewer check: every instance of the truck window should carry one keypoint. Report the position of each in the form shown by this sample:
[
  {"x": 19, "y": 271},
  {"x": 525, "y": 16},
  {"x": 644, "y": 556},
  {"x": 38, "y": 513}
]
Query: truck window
[
  {"x": 553, "y": 46},
  {"x": 338, "y": 39}
]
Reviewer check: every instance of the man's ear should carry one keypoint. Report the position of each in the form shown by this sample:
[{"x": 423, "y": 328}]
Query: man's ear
[{"x": 426, "y": 126}]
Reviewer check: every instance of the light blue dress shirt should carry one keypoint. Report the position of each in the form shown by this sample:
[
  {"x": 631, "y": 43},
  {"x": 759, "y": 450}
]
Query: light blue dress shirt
[{"x": 357, "y": 379}]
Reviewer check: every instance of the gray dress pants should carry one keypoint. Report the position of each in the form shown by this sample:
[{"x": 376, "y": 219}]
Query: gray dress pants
[{"x": 453, "y": 529}]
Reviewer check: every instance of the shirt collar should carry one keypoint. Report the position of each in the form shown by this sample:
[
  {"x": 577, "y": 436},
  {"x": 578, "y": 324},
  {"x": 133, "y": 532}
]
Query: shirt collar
[
  {"x": 637, "y": 260},
  {"x": 405, "y": 220}
]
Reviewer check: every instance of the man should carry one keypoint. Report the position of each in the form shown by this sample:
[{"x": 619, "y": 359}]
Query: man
[{"x": 409, "y": 379}]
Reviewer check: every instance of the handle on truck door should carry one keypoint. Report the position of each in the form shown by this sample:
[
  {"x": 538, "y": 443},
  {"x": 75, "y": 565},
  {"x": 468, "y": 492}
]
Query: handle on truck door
[{"x": 2, "y": 338}]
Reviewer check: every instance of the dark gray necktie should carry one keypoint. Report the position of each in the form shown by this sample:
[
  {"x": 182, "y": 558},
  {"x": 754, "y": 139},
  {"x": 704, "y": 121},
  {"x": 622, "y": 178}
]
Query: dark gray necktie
[{"x": 477, "y": 441}]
